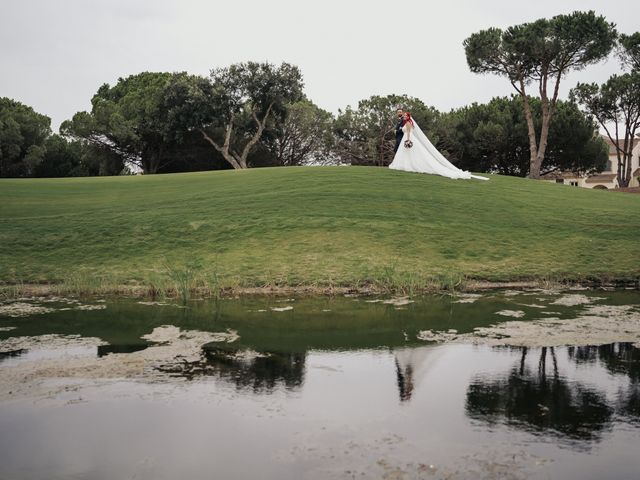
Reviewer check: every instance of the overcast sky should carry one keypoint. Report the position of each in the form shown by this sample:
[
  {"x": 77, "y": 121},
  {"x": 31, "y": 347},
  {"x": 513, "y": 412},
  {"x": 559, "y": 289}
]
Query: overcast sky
[{"x": 54, "y": 54}]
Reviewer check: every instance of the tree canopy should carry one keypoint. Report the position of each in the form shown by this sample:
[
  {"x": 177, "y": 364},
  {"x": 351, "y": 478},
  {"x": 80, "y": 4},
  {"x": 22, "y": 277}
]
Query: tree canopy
[
  {"x": 234, "y": 106},
  {"x": 541, "y": 53},
  {"x": 127, "y": 120},
  {"x": 23, "y": 133},
  {"x": 629, "y": 50},
  {"x": 304, "y": 136}
]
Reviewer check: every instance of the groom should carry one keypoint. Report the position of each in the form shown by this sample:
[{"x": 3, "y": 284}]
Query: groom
[{"x": 399, "y": 125}]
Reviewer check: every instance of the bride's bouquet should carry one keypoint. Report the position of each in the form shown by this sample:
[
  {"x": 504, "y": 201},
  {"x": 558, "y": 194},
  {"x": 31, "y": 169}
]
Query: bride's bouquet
[{"x": 408, "y": 144}]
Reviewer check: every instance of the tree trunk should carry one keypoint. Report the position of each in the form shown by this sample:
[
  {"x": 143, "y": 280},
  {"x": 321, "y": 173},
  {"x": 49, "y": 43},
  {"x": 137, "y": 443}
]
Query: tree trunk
[
  {"x": 242, "y": 159},
  {"x": 533, "y": 144},
  {"x": 531, "y": 130},
  {"x": 224, "y": 150},
  {"x": 536, "y": 166},
  {"x": 623, "y": 179},
  {"x": 548, "y": 107}
]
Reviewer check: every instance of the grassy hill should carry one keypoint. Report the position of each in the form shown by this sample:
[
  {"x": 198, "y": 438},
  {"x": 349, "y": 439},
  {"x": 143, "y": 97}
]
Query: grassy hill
[{"x": 311, "y": 226}]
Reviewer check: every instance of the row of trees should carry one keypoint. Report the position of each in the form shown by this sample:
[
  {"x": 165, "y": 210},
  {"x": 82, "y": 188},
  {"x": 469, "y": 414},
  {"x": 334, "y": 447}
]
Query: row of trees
[
  {"x": 256, "y": 114},
  {"x": 28, "y": 149},
  {"x": 488, "y": 137}
]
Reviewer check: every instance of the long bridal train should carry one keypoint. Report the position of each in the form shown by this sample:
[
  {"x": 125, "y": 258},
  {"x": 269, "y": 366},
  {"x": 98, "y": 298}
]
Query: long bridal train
[{"x": 423, "y": 157}]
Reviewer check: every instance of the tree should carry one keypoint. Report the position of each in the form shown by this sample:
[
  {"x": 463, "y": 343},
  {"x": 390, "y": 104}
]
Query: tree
[
  {"x": 486, "y": 137},
  {"x": 232, "y": 108},
  {"x": 61, "y": 159},
  {"x": 616, "y": 106},
  {"x": 304, "y": 137},
  {"x": 23, "y": 133},
  {"x": 127, "y": 120},
  {"x": 76, "y": 158},
  {"x": 541, "y": 52},
  {"x": 366, "y": 136},
  {"x": 629, "y": 50},
  {"x": 493, "y": 138}
]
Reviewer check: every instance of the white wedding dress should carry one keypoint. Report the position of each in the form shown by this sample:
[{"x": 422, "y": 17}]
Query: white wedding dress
[{"x": 423, "y": 157}]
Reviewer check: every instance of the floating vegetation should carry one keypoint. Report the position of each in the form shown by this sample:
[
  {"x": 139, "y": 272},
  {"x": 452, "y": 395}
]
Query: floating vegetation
[
  {"x": 21, "y": 309},
  {"x": 511, "y": 313},
  {"x": 281, "y": 309}
]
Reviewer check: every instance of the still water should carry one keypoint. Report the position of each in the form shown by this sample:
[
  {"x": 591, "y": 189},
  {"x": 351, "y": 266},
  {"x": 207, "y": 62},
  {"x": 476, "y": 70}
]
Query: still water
[{"x": 326, "y": 388}]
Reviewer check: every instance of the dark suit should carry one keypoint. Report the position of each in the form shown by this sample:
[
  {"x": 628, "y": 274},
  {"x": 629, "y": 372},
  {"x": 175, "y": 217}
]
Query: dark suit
[{"x": 399, "y": 133}]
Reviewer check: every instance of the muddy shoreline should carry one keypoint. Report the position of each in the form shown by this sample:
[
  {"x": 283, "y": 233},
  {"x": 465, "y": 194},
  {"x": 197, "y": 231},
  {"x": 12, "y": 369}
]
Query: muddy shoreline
[{"x": 11, "y": 291}]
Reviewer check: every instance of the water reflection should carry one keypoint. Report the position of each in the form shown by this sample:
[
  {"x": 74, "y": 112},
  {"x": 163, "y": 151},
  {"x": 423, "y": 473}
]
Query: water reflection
[
  {"x": 412, "y": 364},
  {"x": 265, "y": 371},
  {"x": 12, "y": 353},
  {"x": 535, "y": 394},
  {"x": 619, "y": 359},
  {"x": 119, "y": 348},
  {"x": 259, "y": 372},
  {"x": 262, "y": 372}
]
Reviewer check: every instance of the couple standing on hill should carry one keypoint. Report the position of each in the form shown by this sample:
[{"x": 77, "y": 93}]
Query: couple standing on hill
[{"x": 421, "y": 156}]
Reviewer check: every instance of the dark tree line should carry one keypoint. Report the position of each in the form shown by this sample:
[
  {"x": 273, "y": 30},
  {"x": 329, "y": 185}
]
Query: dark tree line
[
  {"x": 29, "y": 149},
  {"x": 488, "y": 137},
  {"x": 493, "y": 137}
]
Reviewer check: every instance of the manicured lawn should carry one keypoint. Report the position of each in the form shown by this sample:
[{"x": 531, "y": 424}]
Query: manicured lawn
[{"x": 312, "y": 226}]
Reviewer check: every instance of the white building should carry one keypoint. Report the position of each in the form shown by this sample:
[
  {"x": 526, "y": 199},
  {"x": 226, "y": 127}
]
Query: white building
[{"x": 607, "y": 179}]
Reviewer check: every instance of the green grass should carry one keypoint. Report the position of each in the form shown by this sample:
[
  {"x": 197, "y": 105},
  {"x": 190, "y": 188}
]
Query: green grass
[{"x": 314, "y": 226}]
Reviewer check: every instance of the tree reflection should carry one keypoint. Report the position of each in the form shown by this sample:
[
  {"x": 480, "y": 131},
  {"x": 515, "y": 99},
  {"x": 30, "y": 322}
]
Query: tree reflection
[
  {"x": 260, "y": 372},
  {"x": 620, "y": 359},
  {"x": 539, "y": 399}
]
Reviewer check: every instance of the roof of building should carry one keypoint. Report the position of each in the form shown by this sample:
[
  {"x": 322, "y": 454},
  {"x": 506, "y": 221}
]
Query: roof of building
[
  {"x": 601, "y": 178},
  {"x": 557, "y": 174},
  {"x": 612, "y": 149}
]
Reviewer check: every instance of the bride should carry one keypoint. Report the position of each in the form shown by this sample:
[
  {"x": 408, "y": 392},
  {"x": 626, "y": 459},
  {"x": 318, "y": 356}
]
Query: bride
[{"x": 417, "y": 154}]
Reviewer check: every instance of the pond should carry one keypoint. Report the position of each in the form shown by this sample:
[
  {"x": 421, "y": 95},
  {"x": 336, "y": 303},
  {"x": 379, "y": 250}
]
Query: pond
[{"x": 322, "y": 387}]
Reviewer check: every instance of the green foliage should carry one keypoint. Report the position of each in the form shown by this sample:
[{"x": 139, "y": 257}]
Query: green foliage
[
  {"x": 127, "y": 120},
  {"x": 532, "y": 51},
  {"x": 629, "y": 50},
  {"x": 23, "y": 133},
  {"x": 76, "y": 158},
  {"x": 61, "y": 159},
  {"x": 256, "y": 87},
  {"x": 235, "y": 106},
  {"x": 305, "y": 136},
  {"x": 493, "y": 137},
  {"x": 253, "y": 97},
  {"x": 366, "y": 135}
]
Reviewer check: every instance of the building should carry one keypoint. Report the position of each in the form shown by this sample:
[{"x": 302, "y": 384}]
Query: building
[{"x": 607, "y": 179}]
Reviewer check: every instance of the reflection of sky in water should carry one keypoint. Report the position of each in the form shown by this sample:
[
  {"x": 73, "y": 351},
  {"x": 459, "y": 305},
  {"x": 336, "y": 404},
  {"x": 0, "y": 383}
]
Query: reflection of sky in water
[
  {"x": 34, "y": 354},
  {"x": 319, "y": 413}
]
